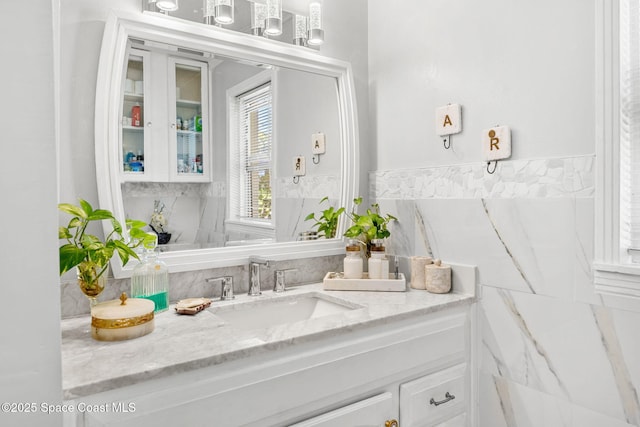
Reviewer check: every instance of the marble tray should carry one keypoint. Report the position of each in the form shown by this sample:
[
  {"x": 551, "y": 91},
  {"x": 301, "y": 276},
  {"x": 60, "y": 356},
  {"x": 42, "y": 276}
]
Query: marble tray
[{"x": 335, "y": 282}]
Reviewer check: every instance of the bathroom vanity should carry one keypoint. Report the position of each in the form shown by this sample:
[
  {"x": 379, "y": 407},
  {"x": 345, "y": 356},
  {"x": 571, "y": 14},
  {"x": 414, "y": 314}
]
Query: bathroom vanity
[{"x": 328, "y": 358}]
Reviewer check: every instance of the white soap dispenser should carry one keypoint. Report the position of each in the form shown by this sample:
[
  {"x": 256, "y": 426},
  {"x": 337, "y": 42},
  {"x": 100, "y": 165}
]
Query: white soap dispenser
[
  {"x": 353, "y": 261},
  {"x": 378, "y": 262}
]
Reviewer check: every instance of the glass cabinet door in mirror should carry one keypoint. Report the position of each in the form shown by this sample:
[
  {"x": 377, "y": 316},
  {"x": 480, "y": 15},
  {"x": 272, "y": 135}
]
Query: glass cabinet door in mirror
[
  {"x": 133, "y": 138},
  {"x": 191, "y": 121}
]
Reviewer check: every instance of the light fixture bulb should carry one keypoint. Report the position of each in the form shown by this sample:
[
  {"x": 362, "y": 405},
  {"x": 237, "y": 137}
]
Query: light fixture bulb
[
  {"x": 273, "y": 23},
  {"x": 300, "y": 30},
  {"x": 208, "y": 12},
  {"x": 258, "y": 16},
  {"x": 167, "y": 5},
  {"x": 316, "y": 33},
  {"x": 224, "y": 11}
]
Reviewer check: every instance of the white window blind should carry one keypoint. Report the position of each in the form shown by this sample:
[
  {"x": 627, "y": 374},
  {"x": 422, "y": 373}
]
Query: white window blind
[
  {"x": 251, "y": 194},
  {"x": 630, "y": 129}
]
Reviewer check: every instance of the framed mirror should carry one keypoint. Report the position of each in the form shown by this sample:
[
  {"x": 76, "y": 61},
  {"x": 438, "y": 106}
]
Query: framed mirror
[{"x": 171, "y": 99}]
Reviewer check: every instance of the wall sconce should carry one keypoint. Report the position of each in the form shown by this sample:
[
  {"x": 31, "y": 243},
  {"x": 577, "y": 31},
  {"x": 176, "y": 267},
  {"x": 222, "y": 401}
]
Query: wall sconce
[
  {"x": 273, "y": 23},
  {"x": 167, "y": 5},
  {"x": 300, "y": 30},
  {"x": 316, "y": 33},
  {"x": 223, "y": 11},
  {"x": 258, "y": 16}
]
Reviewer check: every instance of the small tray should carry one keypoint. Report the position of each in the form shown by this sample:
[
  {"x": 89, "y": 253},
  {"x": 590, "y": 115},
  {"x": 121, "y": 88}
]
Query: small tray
[{"x": 335, "y": 282}]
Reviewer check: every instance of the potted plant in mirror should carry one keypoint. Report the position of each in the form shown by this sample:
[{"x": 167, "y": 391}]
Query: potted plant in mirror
[
  {"x": 90, "y": 255},
  {"x": 327, "y": 222},
  {"x": 370, "y": 226},
  {"x": 159, "y": 222}
]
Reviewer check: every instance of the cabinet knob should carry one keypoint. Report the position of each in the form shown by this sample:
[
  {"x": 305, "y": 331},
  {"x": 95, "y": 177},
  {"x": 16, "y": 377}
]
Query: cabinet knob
[
  {"x": 391, "y": 423},
  {"x": 149, "y": 124},
  {"x": 173, "y": 125}
]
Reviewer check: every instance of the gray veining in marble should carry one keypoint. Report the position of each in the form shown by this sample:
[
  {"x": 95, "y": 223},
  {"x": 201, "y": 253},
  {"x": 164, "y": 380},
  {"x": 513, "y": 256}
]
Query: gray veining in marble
[
  {"x": 628, "y": 393},
  {"x": 91, "y": 366}
]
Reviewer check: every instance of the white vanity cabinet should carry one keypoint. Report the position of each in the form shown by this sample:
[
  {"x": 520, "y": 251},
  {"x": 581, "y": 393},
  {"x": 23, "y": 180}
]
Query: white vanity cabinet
[
  {"x": 377, "y": 375},
  {"x": 164, "y": 132}
]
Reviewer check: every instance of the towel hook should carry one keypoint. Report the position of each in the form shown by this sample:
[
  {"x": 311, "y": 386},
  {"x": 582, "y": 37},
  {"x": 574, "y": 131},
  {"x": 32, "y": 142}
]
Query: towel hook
[
  {"x": 313, "y": 159},
  {"x": 296, "y": 179},
  {"x": 445, "y": 140},
  {"x": 495, "y": 166}
]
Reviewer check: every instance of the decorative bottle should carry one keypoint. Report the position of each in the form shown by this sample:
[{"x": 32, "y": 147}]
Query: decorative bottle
[
  {"x": 378, "y": 262},
  {"x": 136, "y": 115},
  {"x": 150, "y": 278},
  {"x": 353, "y": 261}
]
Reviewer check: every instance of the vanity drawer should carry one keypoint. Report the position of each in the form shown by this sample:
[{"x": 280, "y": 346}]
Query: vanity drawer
[{"x": 434, "y": 398}]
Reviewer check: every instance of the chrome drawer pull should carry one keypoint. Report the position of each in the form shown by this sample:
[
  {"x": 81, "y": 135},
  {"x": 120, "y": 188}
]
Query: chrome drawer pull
[{"x": 447, "y": 398}]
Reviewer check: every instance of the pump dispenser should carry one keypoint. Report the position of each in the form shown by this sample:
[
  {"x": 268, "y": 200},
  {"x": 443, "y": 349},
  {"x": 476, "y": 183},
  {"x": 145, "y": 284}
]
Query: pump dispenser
[{"x": 150, "y": 278}]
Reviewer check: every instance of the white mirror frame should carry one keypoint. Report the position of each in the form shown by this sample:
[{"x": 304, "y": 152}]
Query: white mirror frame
[{"x": 156, "y": 27}]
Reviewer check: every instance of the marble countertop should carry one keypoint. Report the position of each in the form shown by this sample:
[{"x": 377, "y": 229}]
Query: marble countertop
[{"x": 90, "y": 366}]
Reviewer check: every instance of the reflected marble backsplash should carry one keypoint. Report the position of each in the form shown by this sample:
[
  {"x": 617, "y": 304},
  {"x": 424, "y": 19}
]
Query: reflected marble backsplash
[{"x": 192, "y": 284}]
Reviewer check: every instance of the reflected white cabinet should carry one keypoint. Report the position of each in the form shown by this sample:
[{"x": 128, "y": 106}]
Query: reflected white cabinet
[{"x": 165, "y": 119}]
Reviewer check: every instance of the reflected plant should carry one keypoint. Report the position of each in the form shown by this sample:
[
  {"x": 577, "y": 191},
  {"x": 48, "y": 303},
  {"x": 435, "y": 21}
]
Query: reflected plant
[{"x": 327, "y": 222}]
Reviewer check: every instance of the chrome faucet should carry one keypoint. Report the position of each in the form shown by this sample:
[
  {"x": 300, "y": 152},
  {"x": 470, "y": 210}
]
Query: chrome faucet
[
  {"x": 226, "y": 291},
  {"x": 279, "y": 284},
  {"x": 254, "y": 274}
]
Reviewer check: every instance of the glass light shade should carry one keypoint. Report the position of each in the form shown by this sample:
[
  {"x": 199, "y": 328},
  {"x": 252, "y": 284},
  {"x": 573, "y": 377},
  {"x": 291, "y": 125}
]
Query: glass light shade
[
  {"x": 316, "y": 32},
  {"x": 224, "y": 11},
  {"x": 300, "y": 30},
  {"x": 273, "y": 23},
  {"x": 208, "y": 12},
  {"x": 258, "y": 16},
  {"x": 167, "y": 5}
]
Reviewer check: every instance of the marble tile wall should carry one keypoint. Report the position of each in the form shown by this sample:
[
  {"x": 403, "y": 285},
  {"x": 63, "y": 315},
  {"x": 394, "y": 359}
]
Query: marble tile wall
[{"x": 553, "y": 353}]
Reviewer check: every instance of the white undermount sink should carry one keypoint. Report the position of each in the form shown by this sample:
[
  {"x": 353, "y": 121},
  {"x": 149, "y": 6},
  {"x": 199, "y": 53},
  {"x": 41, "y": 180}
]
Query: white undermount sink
[{"x": 264, "y": 313}]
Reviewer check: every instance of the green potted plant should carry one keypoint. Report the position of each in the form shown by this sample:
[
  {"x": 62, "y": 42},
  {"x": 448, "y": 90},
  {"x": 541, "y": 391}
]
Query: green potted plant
[
  {"x": 369, "y": 226},
  {"x": 327, "y": 222},
  {"x": 88, "y": 253}
]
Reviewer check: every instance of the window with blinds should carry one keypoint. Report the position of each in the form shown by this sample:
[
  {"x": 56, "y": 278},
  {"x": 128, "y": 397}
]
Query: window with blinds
[
  {"x": 630, "y": 128},
  {"x": 252, "y": 163}
]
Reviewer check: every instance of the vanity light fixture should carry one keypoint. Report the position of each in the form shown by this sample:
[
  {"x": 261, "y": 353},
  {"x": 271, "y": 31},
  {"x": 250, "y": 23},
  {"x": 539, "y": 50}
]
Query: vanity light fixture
[
  {"x": 316, "y": 33},
  {"x": 209, "y": 12},
  {"x": 167, "y": 5},
  {"x": 224, "y": 11},
  {"x": 300, "y": 30},
  {"x": 258, "y": 16},
  {"x": 273, "y": 23}
]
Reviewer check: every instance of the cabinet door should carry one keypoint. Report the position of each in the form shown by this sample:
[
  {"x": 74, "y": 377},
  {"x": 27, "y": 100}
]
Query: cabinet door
[
  {"x": 133, "y": 138},
  {"x": 189, "y": 158},
  {"x": 372, "y": 412},
  {"x": 435, "y": 398}
]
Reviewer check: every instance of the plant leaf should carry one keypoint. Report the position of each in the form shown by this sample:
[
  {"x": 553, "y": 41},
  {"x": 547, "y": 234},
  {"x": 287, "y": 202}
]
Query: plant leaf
[
  {"x": 99, "y": 214},
  {"x": 72, "y": 210},
  {"x": 70, "y": 256},
  {"x": 88, "y": 209}
]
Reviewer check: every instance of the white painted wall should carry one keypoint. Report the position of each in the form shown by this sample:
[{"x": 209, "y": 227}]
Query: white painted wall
[
  {"x": 529, "y": 65},
  {"x": 29, "y": 290}
]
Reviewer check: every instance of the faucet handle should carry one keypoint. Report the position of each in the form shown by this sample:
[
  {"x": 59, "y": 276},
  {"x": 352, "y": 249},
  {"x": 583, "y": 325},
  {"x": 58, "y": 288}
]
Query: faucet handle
[
  {"x": 279, "y": 284},
  {"x": 226, "y": 291}
]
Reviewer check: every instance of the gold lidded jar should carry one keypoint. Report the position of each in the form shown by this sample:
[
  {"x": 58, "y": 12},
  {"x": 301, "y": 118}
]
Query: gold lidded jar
[{"x": 122, "y": 319}]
